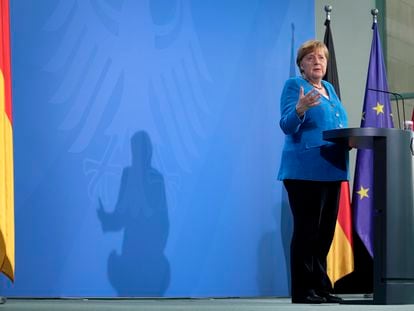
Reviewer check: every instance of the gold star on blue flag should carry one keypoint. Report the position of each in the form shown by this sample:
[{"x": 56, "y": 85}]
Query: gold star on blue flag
[
  {"x": 363, "y": 193},
  {"x": 379, "y": 108}
]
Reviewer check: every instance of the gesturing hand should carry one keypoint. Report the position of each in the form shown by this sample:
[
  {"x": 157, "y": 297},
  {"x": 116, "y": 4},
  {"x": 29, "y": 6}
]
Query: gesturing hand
[{"x": 311, "y": 99}]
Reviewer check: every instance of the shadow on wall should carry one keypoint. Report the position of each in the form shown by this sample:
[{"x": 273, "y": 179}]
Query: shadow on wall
[
  {"x": 142, "y": 268},
  {"x": 268, "y": 255},
  {"x": 286, "y": 226},
  {"x": 268, "y": 262}
]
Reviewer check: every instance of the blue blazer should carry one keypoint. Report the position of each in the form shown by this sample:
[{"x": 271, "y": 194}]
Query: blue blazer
[{"x": 305, "y": 154}]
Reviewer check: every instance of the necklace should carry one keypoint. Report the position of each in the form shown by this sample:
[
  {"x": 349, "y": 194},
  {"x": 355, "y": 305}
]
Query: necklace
[
  {"x": 314, "y": 85},
  {"x": 317, "y": 87}
]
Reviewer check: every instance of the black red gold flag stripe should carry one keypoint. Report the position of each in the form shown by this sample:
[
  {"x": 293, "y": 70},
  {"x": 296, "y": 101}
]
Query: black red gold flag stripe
[{"x": 7, "y": 259}]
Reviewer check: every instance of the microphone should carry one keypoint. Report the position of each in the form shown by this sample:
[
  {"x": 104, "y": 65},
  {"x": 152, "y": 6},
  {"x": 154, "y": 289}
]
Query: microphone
[{"x": 396, "y": 96}]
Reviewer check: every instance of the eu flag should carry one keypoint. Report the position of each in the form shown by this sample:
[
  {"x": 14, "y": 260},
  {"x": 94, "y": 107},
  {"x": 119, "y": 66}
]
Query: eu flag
[{"x": 376, "y": 112}]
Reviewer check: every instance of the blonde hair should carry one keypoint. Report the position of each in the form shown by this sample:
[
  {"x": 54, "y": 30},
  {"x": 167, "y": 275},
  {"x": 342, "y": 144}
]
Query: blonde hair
[{"x": 309, "y": 47}]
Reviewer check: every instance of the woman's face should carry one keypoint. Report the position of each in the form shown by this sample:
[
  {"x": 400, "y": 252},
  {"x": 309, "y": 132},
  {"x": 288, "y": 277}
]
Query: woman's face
[{"x": 314, "y": 65}]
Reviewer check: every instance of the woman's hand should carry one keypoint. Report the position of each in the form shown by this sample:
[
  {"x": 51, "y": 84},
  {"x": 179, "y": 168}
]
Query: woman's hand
[{"x": 311, "y": 99}]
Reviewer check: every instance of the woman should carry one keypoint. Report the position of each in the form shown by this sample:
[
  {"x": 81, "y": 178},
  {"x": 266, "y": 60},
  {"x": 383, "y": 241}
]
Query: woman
[{"x": 312, "y": 170}]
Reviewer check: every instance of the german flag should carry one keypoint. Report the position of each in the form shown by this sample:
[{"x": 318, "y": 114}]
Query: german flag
[
  {"x": 340, "y": 259},
  {"x": 6, "y": 149}
]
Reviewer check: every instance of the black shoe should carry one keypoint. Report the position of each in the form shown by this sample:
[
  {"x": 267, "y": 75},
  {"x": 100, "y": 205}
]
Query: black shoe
[
  {"x": 331, "y": 298},
  {"x": 310, "y": 298}
]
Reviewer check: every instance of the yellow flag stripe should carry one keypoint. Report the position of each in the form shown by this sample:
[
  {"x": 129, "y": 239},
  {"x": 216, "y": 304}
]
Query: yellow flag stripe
[
  {"x": 340, "y": 257},
  {"x": 7, "y": 251}
]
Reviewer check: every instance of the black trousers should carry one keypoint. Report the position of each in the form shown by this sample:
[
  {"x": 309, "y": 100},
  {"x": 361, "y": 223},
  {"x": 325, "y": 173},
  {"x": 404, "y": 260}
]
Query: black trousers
[{"x": 314, "y": 206}]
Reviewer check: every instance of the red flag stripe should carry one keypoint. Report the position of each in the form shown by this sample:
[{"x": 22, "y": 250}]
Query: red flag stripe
[
  {"x": 344, "y": 214},
  {"x": 5, "y": 59}
]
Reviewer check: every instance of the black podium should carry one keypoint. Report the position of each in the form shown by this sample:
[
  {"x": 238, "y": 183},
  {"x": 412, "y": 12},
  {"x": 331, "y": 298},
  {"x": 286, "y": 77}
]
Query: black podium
[{"x": 393, "y": 151}]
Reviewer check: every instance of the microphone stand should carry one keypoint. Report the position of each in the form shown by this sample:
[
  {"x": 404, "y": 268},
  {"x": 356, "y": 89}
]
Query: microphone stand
[
  {"x": 403, "y": 104},
  {"x": 396, "y": 95}
]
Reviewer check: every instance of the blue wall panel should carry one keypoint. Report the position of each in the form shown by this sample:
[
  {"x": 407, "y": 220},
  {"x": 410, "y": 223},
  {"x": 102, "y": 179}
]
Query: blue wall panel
[{"x": 147, "y": 145}]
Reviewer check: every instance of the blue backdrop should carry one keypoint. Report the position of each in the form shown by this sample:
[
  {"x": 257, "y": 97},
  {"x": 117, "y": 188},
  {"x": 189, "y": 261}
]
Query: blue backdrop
[{"x": 147, "y": 144}]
